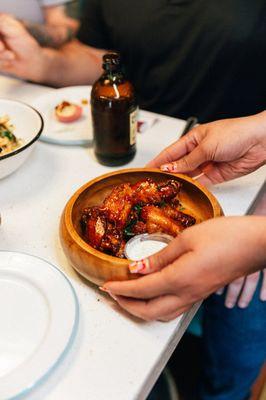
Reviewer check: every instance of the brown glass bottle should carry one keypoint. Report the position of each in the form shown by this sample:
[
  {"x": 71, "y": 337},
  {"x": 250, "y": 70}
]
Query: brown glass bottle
[{"x": 114, "y": 119}]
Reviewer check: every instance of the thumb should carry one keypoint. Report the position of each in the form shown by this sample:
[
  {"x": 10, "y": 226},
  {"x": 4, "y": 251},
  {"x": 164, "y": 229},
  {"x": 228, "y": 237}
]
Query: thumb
[
  {"x": 189, "y": 162},
  {"x": 159, "y": 260}
]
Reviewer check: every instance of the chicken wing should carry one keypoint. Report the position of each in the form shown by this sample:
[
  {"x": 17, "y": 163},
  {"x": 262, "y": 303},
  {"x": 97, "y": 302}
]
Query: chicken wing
[
  {"x": 150, "y": 192},
  {"x": 118, "y": 204},
  {"x": 93, "y": 225},
  {"x": 156, "y": 219},
  {"x": 184, "y": 220}
]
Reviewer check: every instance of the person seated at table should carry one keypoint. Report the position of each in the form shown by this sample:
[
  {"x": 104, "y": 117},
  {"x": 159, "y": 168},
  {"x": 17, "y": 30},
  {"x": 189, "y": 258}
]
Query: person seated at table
[
  {"x": 208, "y": 256},
  {"x": 45, "y": 20},
  {"x": 205, "y": 58},
  {"x": 184, "y": 58}
]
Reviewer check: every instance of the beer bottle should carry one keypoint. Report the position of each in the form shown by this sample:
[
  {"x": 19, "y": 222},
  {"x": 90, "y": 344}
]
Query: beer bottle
[{"x": 114, "y": 114}]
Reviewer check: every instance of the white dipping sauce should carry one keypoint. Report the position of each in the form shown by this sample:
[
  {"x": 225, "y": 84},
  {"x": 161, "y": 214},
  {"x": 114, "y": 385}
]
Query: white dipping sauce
[{"x": 142, "y": 246}]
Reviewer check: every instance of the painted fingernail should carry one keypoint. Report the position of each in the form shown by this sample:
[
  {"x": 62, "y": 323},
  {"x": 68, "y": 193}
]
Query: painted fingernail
[
  {"x": 165, "y": 168},
  {"x": 139, "y": 266},
  {"x": 242, "y": 304}
]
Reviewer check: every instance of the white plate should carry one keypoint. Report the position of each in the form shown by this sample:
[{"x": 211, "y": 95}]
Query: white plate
[
  {"x": 38, "y": 320},
  {"x": 74, "y": 133}
]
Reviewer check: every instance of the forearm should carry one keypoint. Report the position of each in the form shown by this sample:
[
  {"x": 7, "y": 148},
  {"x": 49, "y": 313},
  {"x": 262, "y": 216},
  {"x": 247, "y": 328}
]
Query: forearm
[
  {"x": 50, "y": 35},
  {"x": 73, "y": 64},
  {"x": 261, "y": 232},
  {"x": 260, "y": 133},
  {"x": 255, "y": 255},
  {"x": 57, "y": 30}
]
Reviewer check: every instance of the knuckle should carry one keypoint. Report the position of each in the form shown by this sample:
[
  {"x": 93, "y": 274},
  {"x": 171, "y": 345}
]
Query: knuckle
[
  {"x": 168, "y": 279},
  {"x": 186, "y": 162},
  {"x": 167, "y": 154},
  {"x": 157, "y": 262}
]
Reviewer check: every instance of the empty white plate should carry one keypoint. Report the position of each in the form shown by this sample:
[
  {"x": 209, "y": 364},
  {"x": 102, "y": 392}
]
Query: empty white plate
[
  {"x": 73, "y": 133},
  {"x": 38, "y": 320}
]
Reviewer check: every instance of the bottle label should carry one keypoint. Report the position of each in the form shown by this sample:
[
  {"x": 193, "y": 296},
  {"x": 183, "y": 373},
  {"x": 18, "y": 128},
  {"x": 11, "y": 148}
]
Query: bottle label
[{"x": 133, "y": 126}]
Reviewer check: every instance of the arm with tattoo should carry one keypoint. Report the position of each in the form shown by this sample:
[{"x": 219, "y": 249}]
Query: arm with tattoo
[{"x": 50, "y": 35}]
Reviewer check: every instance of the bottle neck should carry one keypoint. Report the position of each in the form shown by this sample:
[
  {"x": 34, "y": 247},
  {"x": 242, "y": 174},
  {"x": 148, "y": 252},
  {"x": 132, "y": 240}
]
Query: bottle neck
[{"x": 113, "y": 73}]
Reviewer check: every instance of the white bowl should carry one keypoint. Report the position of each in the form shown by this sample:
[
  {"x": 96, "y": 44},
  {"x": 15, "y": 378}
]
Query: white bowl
[{"x": 28, "y": 126}]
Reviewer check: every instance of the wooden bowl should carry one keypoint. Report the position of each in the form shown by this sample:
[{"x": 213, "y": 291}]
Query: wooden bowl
[{"x": 97, "y": 266}]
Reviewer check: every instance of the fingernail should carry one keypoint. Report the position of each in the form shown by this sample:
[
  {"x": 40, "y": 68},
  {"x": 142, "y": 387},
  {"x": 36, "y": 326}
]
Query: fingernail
[
  {"x": 112, "y": 295},
  {"x": 165, "y": 168},
  {"x": 103, "y": 289},
  {"x": 139, "y": 266},
  {"x": 229, "y": 305},
  {"x": 242, "y": 304},
  {"x": 198, "y": 176}
]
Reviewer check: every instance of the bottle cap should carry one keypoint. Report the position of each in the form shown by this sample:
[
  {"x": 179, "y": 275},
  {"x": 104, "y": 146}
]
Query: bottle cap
[{"x": 146, "y": 244}]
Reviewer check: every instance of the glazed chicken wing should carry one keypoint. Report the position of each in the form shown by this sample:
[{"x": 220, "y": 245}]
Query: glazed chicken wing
[
  {"x": 93, "y": 225},
  {"x": 101, "y": 233},
  {"x": 184, "y": 220},
  {"x": 118, "y": 204},
  {"x": 112, "y": 240},
  {"x": 150, "y": 192},
  {"x": 157, "y": 221}
]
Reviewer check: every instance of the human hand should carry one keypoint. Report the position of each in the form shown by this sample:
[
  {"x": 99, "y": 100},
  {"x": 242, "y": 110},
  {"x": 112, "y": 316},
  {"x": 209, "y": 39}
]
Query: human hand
[
  {"x": 219, "y": 151},
  {"x": 241, "y": 291},
  {"x": 20, "y": 54},
  {"x": 200, "y": 260}
]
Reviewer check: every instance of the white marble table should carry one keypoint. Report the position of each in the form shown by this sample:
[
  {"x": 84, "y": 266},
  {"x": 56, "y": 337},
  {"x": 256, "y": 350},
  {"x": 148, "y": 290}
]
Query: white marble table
[{"x": 114, "y": 356}]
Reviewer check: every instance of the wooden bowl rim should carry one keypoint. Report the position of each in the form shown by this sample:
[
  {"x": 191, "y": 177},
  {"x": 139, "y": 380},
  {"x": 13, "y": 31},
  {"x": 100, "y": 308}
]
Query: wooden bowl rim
[{"x": 123, "y": 262}]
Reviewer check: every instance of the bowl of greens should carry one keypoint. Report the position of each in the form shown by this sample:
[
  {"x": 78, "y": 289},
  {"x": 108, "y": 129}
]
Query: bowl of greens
[{"x": 20, "y": 127}]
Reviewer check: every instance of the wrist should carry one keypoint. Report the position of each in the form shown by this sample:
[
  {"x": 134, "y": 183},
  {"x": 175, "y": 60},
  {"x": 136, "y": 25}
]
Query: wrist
[
  {"x": 260, "y": 132},
  {"x": 44, "y": 65},
  {"x": 45, "y": 71},
  {"x": 260, "y": 241}
]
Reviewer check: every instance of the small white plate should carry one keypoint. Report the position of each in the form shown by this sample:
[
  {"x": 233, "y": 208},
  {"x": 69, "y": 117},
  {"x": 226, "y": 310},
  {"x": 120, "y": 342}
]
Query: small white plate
[
  {"x": 77, "y": 133},
  {"x": 38, "y": 320}
]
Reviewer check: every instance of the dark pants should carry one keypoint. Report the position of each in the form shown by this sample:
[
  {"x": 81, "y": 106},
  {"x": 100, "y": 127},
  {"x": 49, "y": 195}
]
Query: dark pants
[{"x": 234, "y": 343}]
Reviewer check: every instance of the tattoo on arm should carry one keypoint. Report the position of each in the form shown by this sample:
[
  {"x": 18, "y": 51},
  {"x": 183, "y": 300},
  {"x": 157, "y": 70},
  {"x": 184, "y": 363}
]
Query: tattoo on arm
[{"x": 49, "y": 36}]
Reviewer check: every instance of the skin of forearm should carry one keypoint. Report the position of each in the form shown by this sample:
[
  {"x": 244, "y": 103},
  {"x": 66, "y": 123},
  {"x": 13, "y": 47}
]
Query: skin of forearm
[
  {"x": 73, "y": 64},
  {"x": 256, "y": 252},
  {"x": 260, "y": 133},
  {"x": 50, "y": 36},
  {"x": 262, "y": 239}
]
